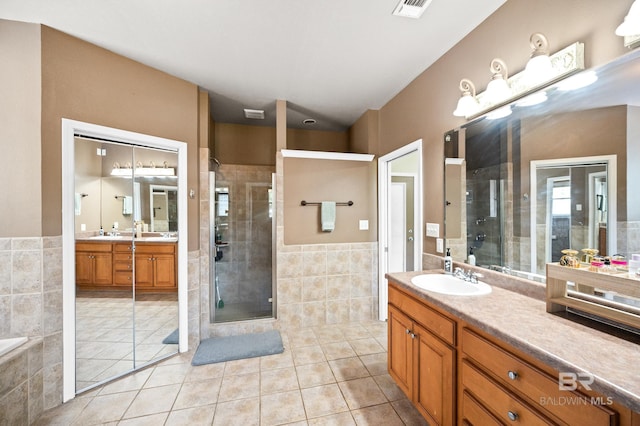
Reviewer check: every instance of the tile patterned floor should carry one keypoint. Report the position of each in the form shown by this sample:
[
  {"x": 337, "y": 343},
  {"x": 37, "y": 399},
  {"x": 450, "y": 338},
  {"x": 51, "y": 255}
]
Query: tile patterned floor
[{"x": 333, "y": 375}]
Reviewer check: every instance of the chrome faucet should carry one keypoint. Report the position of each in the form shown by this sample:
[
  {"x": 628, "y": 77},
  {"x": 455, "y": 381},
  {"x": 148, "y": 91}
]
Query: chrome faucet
[{"x": 468, "y": 276}]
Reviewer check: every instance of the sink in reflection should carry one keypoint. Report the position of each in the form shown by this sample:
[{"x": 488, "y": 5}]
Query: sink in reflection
[
  {"x": 108, "y": 237},
  {"x": 448, "y": 284}
]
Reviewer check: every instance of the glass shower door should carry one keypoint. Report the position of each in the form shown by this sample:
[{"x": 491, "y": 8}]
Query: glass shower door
[{"x": 242, "y": 243}]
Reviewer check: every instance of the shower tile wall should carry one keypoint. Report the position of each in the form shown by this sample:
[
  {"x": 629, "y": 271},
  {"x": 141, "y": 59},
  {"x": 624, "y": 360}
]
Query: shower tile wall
[
  {"x": 479, "y": 221},
  {"x": 245, "y": 272}
]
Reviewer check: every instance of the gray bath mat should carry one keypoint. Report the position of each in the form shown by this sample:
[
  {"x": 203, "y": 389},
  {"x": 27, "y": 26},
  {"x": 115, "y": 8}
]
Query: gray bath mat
[
  {"x": 171, "y": 339},
  {"x": 229, "y": 348}
]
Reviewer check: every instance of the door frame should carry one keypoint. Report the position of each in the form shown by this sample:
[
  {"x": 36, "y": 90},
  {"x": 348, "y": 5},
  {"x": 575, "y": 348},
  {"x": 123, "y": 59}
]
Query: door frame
[
  {"x": 69, "y": 129},
  {"x": 384, "y": 179}
]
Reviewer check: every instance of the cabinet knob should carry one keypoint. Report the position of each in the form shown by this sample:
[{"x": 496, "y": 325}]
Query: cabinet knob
[
  {"x": 413, "y": 336},
  {"x": 150, "y": 259},
  {"x": 407, "y": 331},
  {"x": 512, "y": 375},
  {"x": 512, "y": 415}
]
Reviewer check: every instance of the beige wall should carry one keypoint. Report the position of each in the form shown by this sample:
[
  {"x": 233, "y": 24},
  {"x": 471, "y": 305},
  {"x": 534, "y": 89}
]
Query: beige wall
[
  {"x": 327, "y": 180},
  {"x": 20, "y": 103},
  {"x": 318, "y": 140},
  {"x": 363, "y": 135},
  {"x": 424, "y": 108},
  {"x": 83, "y": 82}
]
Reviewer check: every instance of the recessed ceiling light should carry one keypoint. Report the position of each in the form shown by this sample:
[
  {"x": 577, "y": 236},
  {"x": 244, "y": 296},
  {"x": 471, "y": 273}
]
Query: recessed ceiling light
[
  {"x": 256, "y": 114},
  {"x": 309, "y": 121},
  {"x": 411, "y": 8}
]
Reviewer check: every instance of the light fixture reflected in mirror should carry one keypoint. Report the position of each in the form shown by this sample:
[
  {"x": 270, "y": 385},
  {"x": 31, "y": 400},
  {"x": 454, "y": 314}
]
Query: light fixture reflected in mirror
[
  {"x": 498, "y": 88},
  {"x": 578, "y": 81},
  {"x": 501, "y": 112},
  {"x": 631, "y": 24},
  {"x": 142, "y": 171},
  {"x": 532, "y": 99},
  {"x": 539, "y": 68},
  {"x": 467, "y": 104}
]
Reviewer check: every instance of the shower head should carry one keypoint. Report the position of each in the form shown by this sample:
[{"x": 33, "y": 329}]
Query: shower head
[{"x": 214, "y": 163}]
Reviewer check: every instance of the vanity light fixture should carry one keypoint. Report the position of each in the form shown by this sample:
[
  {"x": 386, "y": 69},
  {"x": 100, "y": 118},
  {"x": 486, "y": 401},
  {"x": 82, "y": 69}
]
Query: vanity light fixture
[
  {"x": 141, "y": 171},
  {"x": 631, "y": 24},
  {"x": 539, "y": 68},
  {"x": 467, "y": 104},
  {"x": 498, "y": 88},
  {"x": 502, "y": 89}
]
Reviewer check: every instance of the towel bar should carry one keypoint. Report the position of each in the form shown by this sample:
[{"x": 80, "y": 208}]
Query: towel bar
[{"x": 309, "y": 203}]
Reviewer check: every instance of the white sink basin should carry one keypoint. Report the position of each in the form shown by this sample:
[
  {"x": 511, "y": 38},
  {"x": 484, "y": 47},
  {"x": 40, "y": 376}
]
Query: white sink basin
[
  {"x": 448, "y": 284},
  {"x": 107, "y": 237}
]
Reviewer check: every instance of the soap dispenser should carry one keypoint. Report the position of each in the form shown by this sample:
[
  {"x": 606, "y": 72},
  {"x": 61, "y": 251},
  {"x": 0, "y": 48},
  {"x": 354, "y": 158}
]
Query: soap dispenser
[
  {"x": 448, "y": 262},
  {"x": 471, "y": 259}
]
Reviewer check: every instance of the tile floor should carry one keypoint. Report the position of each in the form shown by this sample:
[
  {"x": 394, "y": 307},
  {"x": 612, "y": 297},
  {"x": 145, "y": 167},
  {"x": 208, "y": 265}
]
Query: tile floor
[
  {"x": 332, "y": 375},
  {"x": 104, "y": 332}
]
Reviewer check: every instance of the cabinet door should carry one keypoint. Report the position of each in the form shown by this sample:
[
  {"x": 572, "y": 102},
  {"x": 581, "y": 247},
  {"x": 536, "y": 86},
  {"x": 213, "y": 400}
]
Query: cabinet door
[
  {"x": 103, "y": 269},
  {"x": 400, "y": 353},
  {"x": 434, "y": 376},
  {"x": 165, "y": 270},
  {"x": 144, "y": 270},
  {"x": 84, "y": 267}
]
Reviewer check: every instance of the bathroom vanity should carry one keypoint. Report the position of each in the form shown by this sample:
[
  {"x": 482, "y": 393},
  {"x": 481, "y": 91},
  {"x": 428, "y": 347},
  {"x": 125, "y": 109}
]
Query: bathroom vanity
[
  {"x": 108, "y": 265},
  {"x": 500, "y": 358}
]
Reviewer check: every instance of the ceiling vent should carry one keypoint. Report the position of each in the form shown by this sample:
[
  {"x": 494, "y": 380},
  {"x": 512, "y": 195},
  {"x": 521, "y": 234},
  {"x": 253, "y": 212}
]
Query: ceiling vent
[
  {"x": 411, "y": 8},
  {"x": 255, "y": 114}
]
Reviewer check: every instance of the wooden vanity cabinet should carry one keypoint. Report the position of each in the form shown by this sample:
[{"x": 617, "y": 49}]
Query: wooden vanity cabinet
[
  {"x": 101, "y": 265},
  {"x": 94, "y": 264},
  {"x": 455, "y": 373},
  {"x": 156, "y": 266},
  {"x": 421, "y": 362}
]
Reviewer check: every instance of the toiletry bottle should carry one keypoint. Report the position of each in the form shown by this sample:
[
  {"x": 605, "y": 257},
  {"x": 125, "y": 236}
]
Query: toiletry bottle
[
  {"x": 448, "y": 263},
  {"x": 471, "y": 259},
  {"x": 101, "y": 232}
]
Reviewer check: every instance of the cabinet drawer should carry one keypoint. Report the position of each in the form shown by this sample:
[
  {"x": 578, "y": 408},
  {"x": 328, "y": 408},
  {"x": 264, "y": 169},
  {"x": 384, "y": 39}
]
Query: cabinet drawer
[
  {"x": 473, "y": 413},
  {"x": 503, "y": 404},
  {"x": 435, "y": 322},
  {"x": 125, "y": 247},
  {"x": 166, "y": 248},
  {"x": 93, "y": 247},
  {"x": 531, "y": 382},
  {"x": 122, "y": 278}
]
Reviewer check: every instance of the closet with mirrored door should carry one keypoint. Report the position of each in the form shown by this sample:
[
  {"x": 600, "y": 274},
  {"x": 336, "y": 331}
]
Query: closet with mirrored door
[{"x": 126, "y": 258}]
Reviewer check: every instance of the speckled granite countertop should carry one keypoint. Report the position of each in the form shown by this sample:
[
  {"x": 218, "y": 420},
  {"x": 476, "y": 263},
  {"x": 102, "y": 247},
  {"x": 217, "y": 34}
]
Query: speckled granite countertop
[{"x": 523, "y": 322}]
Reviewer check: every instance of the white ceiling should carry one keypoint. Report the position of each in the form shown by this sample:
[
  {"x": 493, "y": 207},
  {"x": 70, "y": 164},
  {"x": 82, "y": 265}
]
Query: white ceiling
[{"x": 330, "y": 59}]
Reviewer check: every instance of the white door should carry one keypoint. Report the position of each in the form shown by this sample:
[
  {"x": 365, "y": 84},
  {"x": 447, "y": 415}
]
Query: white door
[{"x": 397, "y": 227}]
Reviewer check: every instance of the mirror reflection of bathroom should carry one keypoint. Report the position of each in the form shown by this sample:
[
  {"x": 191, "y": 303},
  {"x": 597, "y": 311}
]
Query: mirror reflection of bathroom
[
  {"x": 242, "y": 229},
  {"x": 126, "y": 282}
]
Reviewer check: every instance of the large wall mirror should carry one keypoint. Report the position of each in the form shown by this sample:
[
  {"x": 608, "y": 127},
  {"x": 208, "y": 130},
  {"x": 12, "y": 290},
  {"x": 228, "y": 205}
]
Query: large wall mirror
[{"x": 557, "y": 175}]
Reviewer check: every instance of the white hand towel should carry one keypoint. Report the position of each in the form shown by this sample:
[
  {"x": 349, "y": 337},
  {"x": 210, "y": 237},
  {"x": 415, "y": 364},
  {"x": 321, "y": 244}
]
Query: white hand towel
[
  {"x": 127, "y": 205},
  {"x": 78, "y": 203},
  {"x": 328, "y": 215}
]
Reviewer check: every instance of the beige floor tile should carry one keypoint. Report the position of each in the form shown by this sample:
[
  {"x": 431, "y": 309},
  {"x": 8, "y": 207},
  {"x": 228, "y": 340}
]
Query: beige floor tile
[
  {"x": 150, "y": 420},
  {"x": 308, "y": 355},
  {"x": 242, "y": 366},
  {"x": 354, "y": 331},
  {"x": 65, "y": 414},
  {"x": 193, "y": 394},
  {"x": 360, "y": 393},
  {"x": 205, "y": 372},
  {"x": 348, "y": 368},
  {"x": 128, "y": 383},
  {"x": 328, "y": 334},
  {"x": 366, "y": 346},
  {"x": 192, "y": 416},
  {"x": 273, "y": 362},
  {"x": 106, "y": 408},
  {"x": 153, "y": 400},
  {"x": 376, "y": 364},
  {"x": 340, "y": 419},
  {"x": 408, "y": 413},
  {"x": 167, "y": 375},
  {"x": 273, "y": 411},
  {"x": 372, "y": 416},
  {"x": 389, "y": 388},
  {"x": 245, "y": 412},
  {"x": 337, "y": 350},
  {"x": 301, "y": 338},
  {"x": 280, "y": 380},
  {"x": 310, "y": 375},
  {"x": 323, "y": 400},
  {"x": 239, "y": 387}
]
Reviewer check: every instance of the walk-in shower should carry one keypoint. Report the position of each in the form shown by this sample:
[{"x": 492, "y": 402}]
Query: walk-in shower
[{"x": 242, "y": 223}]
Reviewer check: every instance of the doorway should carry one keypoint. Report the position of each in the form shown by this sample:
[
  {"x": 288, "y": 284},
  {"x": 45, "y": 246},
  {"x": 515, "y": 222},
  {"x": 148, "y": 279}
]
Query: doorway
[
  {"x": 103, "y": 312},
  {"x": 400, "y": 215}
]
